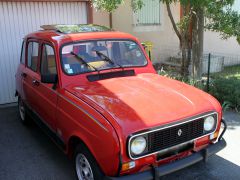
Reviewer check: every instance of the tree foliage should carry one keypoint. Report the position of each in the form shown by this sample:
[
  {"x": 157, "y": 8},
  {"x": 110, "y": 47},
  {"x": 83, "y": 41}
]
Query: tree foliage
[
  {"x": 107, "y": 5},
  {"x": 224, "y": 20},
  {"x": 217, "y": 14},
  {"x": 221, "y": 18}
]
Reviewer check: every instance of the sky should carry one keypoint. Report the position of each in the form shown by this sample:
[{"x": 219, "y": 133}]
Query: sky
[{"x": 236, "y": 5}]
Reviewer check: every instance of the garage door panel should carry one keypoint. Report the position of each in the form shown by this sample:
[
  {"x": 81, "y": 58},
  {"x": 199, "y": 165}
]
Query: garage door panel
[
  {"x": 12, "y": 48},
  {"x": 20, "y": 18},
  {"x": 5, "y": 53}
]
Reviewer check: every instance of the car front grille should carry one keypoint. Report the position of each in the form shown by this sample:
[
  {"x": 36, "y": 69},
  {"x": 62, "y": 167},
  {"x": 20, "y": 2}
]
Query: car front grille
[
  {"x": 165, "y": 138},
  {"x": 168, "y": 137}
]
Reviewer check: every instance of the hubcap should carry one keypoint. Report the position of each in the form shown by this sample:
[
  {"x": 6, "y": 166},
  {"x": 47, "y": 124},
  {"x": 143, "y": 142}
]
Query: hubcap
[
  {"x": 21, "y": 110},
  {"x": 83, "y": 168}
]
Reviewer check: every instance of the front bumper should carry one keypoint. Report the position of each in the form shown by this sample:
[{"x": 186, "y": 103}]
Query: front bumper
[{"x": 162, "y": 170}]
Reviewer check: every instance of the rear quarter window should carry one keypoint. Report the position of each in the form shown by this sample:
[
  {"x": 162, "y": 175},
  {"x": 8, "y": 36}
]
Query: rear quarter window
[{"x": 22, "y": 59}]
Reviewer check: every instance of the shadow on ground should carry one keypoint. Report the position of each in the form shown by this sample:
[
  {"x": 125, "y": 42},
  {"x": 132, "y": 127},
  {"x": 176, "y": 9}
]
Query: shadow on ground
[
  {"x": 232, "y": 119},
  {"x": 27, "y": 153},
  {"x": 217, "y": 168}
]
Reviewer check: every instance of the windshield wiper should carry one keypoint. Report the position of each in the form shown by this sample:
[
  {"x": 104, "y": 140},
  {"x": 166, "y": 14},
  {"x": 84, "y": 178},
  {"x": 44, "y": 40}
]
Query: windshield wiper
[
  {"x": 107, "y": 59},
  {"x": 84, "y": 62}
]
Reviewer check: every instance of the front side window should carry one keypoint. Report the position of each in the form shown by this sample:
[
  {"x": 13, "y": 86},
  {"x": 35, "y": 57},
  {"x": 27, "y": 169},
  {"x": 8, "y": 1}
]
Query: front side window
[
  {"x": 32, "y": 55},
  {"x": 99, "y": 55},
  {"x": 48, "y": 62}
]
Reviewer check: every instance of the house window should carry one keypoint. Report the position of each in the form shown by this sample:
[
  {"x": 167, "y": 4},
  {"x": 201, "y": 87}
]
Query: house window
[{"x": 149, "y": 14}]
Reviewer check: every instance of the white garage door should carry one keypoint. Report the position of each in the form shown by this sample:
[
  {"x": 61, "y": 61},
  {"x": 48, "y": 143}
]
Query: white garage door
[{"x": 20, "y": 18}]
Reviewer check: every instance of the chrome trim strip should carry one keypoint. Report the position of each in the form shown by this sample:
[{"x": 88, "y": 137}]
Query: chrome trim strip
[
  {"x": 85, "y": 112},
  {"x": 136, "y": 135},
  {"x": 77, "y": 106}
]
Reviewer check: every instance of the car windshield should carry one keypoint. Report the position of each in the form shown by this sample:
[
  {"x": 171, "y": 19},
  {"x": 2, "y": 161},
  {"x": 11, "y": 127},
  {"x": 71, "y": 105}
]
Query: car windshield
[{"x": 100, "y": 55}]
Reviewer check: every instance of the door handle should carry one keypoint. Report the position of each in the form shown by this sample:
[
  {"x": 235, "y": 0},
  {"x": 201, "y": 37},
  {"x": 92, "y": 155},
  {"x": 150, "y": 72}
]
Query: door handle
[
  {"x": 24, "y": 75},
  {"x": 35, "y": 83}
]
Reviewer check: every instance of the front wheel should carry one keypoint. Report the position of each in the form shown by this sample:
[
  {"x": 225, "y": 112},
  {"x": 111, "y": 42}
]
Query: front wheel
[{"x": 86, "y": 167}]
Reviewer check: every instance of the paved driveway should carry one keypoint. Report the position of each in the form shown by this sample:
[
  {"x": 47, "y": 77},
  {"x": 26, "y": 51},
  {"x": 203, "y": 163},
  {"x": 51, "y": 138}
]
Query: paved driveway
[{"x": 26, "y": 153}]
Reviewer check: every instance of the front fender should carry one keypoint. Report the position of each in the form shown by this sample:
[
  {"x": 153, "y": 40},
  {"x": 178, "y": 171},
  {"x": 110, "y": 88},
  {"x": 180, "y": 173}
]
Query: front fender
[{"x": 77, "y": 119}]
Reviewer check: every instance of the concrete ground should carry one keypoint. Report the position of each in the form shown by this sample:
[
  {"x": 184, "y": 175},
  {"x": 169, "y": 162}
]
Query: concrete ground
[{"x": 26, "y": 153}]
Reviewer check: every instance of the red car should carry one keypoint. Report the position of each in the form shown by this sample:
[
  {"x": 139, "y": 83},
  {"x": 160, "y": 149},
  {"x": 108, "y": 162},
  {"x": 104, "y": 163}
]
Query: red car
[{"x": 95, "y": 92}]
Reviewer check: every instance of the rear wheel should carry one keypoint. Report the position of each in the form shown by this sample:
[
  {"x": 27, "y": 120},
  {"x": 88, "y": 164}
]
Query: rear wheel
[
  {"x": 22, "y": 112},
  {"x": 86, "y": 167}
]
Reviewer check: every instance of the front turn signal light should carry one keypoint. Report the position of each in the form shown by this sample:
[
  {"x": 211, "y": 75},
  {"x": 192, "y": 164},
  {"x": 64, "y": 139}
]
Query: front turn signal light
[
  {"x": 129, "y": 165},
  {"x": 214, "y": 135}
]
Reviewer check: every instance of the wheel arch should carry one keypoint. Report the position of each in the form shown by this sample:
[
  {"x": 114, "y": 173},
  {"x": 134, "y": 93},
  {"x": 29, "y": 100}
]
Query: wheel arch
[
  {"x": 76, "y": 139},
  {"x": 73, "y": 143}
]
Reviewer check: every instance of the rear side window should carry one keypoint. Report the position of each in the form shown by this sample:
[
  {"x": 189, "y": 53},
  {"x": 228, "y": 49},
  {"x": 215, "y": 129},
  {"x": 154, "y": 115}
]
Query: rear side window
[
  {"x": 32, "y": 55},
  {"x": 22, "y": 60},
  {"x": 48, "y": 63}
]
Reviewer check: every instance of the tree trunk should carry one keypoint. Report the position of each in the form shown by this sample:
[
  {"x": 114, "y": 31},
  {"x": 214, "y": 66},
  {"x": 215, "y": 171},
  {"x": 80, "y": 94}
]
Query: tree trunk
[
  {"x": 185, "y": 45},
  {"x": 172, "y": 21},
  {"x": 197, "y": 43},
  {"x": 184, "y": 55},
  {"x": 184, "y": 38}
]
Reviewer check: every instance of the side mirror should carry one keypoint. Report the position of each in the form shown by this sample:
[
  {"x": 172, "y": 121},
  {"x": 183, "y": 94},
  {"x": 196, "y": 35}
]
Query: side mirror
[{"x": 49, "y": 78}]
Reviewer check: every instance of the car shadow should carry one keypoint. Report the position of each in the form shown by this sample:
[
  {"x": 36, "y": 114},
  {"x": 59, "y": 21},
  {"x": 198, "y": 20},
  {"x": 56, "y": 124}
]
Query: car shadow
[
  {"x": 232, "y": 119},
  {"x": 30, "y": 154},
  {"x": 27, "y": 153},
  {"x": 216, "y": 168}
]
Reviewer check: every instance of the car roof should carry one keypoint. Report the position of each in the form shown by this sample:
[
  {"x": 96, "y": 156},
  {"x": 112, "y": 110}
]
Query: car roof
[
  {"x": 61, "y": 34},
  {"x": 76, "y": 28}
]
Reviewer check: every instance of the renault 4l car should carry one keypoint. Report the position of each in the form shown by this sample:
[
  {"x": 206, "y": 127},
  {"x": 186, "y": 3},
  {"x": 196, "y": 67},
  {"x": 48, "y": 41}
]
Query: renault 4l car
[{"x": 95, "y": 92}]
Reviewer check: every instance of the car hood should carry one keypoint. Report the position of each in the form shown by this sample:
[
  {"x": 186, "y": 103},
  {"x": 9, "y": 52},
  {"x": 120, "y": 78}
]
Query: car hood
[{"x": 144, "y": 101}]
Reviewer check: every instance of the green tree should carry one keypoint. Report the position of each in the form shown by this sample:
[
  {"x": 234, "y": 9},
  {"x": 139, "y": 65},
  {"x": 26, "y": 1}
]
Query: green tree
[{"x": 219, "y": 17}]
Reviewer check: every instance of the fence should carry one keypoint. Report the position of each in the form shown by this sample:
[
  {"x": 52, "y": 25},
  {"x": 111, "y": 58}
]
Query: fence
[
  {"x": 212, "y": 64},
  {"x": 219, "y": 64}
]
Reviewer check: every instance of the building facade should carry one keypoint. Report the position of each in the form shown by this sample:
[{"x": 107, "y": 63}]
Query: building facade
[{"x": 151, "y": 23}]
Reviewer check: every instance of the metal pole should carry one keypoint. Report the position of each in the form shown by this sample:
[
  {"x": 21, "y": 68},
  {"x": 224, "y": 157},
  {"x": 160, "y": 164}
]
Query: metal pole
[
  {"x": 149, "y": 54},
  {"x": 111, "y": 20},
  {"x": 208, "y": 74}
]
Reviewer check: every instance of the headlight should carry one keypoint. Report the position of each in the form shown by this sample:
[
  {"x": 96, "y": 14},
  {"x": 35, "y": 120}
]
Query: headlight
[
  {"x": 209, "y": 123},
  {"x": 138, "y": 145}
]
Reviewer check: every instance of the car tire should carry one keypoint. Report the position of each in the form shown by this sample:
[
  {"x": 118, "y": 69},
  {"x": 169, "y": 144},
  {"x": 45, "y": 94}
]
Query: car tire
[
  {"x": 86, "y": 167},
  {"x": 22, "y": 112}
]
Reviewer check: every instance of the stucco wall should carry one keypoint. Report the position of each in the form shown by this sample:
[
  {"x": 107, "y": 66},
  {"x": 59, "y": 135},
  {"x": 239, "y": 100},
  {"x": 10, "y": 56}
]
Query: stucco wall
[
  {"x": 213, "y": 43},
  {"x": 164, "y": 39},
  {"x": 100, "y": 17}
]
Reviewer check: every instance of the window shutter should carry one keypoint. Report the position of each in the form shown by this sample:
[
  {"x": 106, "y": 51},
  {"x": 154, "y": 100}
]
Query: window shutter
[{"x": 149, "y": 15}]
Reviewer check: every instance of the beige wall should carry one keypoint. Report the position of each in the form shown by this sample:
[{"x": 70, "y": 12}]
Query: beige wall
[
  {"x": 165, "y": 40},
  {"x": 214, "y": 44},
  {"x": 100, "y": 18}
]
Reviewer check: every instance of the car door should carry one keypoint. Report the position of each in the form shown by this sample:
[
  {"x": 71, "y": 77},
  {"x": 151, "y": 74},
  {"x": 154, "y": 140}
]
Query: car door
[
  {"x": 46, "y": 99},
  {"x": 30, "y": 73}
]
